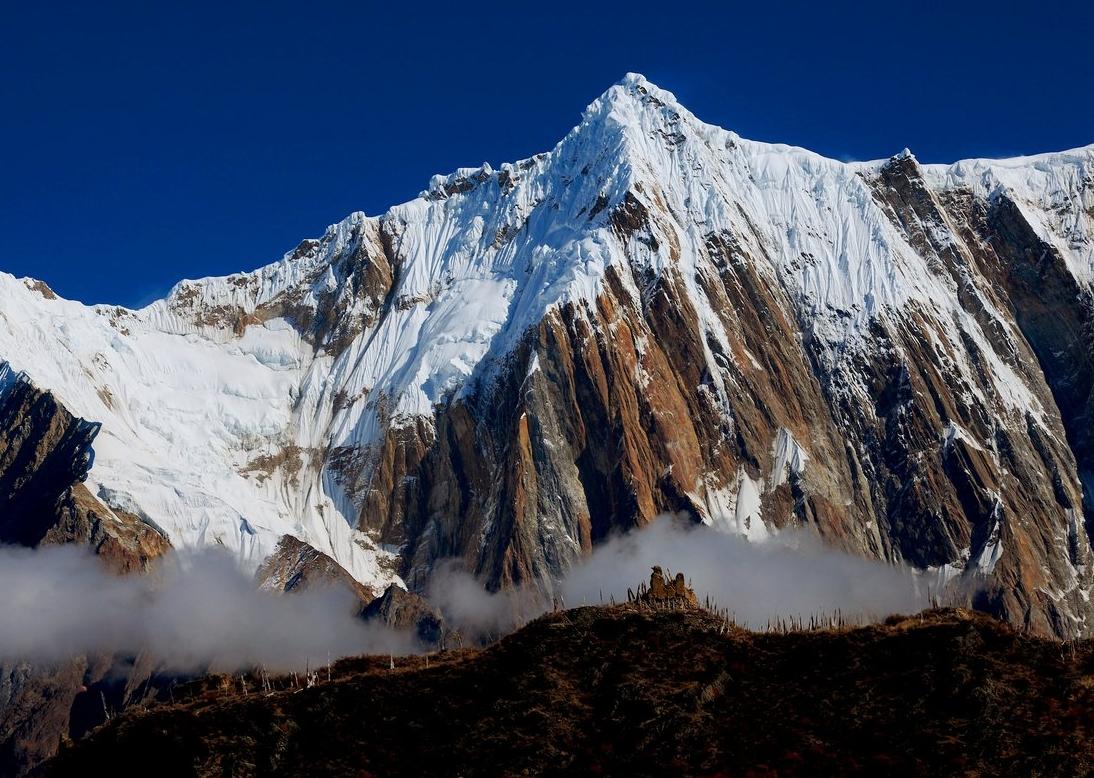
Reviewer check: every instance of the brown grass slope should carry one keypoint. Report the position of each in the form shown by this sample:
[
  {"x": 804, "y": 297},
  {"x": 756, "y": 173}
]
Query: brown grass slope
[{"x": 627, "y": 690}]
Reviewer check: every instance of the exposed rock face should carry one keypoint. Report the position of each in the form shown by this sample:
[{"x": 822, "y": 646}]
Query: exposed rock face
[
  {"x": 43, "y": 451},
  {"x": 609, "y": 414},
  {"x": 657, "y": 315},
  {"x": 296, "y": 566},
  {"x": 946, "y": 427},
  {"x": 44, "y": 454},
  {"x": 405, "y": 611}
]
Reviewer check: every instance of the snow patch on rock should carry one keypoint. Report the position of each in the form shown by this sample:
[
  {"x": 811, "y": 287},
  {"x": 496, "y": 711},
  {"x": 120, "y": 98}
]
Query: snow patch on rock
[{"x": 788, "y": 458}]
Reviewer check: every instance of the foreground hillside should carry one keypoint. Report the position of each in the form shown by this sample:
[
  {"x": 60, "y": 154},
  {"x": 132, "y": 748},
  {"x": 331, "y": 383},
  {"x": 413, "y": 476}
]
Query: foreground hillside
[{"x": 628, "y": 691}]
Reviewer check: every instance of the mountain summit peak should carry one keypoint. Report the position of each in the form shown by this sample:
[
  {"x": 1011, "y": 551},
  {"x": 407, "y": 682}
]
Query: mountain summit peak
[
  {"x": 633, "y": 78},
  {"x": 636, "y": 87},
  {"x": 623, "y": 122},
  {"x": 637, "y": 83}
]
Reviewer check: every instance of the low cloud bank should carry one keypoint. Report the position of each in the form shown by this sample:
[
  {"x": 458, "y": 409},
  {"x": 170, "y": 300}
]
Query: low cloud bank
[
  {"x": 792, "y": 575},
  {"x": 195, "y": 612},
  {"x": 200, "y": 611}
]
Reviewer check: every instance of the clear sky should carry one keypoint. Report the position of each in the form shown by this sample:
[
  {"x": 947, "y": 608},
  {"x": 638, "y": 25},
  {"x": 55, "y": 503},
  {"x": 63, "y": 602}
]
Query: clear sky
[{"x": 145, "y": 142}]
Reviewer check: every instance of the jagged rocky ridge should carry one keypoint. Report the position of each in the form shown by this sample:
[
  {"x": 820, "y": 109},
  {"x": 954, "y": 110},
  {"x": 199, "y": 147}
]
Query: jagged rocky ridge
[
  {"x": 294, "y": 566},
  {"x": 657, "y": 315},
  {"x": 44, "y": 455}
]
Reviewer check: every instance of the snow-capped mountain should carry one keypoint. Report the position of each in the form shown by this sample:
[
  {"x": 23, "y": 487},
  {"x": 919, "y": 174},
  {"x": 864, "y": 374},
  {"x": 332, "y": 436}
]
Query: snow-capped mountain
[{"x": 656, "y": 315}]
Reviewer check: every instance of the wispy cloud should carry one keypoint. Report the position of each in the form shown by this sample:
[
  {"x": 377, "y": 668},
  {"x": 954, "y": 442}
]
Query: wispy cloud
[{"x": 195, "y": 612}]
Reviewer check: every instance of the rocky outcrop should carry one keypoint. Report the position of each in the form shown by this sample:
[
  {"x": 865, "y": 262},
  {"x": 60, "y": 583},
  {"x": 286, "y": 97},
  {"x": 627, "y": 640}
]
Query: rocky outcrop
[
  {"x": 45, "y": 453},
  {"x": 342, "y": 294},
  {"x": 405, "y": 611},
  {"x": 665, "y": 592},
  {"x": 295, "y": 566}
]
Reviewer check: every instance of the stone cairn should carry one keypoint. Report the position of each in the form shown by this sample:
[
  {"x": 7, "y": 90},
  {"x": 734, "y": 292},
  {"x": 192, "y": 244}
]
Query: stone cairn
[{"x": 664, "y": 592}]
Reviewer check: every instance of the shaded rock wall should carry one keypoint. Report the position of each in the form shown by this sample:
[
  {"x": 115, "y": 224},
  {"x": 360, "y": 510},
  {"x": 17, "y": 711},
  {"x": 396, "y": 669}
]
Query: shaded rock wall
[{"x": 45, "y": 453}]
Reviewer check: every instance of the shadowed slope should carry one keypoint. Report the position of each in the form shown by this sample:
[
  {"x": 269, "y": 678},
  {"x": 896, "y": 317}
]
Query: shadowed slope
[{"x": 634, "y": 691}]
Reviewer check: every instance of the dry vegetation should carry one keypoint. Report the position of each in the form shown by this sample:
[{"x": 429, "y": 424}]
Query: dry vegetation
[{"x": 634, "y": 690}]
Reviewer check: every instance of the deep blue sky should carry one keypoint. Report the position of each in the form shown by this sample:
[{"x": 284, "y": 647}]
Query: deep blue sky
[{"x": 145, "y": 142}]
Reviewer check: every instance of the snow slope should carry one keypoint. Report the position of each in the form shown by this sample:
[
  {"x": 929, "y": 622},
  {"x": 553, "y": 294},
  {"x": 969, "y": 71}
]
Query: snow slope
[{"x": 216, "y": 426}]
